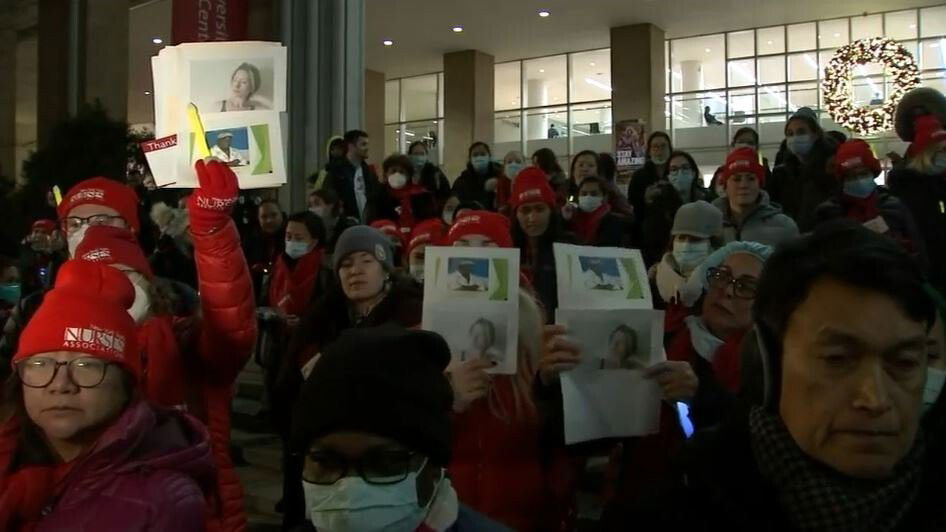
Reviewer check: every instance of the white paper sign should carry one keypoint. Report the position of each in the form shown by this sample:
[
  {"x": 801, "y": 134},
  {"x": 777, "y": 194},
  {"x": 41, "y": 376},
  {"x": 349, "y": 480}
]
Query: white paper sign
[
  {"x": 471, "y": 298},
  {"x": 601, "y": 278}
]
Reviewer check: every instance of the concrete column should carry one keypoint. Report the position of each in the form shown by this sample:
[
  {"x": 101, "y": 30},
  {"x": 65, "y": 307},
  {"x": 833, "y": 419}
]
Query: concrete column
[
  {"x": 537, "y": 94},
  {"x": 7, "y": 91},
  {"x": 105, "y": 55},
  {"x": 374, "y": 113},
  {"x": 638, "y": 76},
  {"x": 468, "y": 105},
  {"x": 53, "y": 66}
]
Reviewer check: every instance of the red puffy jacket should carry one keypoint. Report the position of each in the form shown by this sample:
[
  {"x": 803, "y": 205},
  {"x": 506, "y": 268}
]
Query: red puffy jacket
[
  {"x": 211, "y": 359},
  {"x": 499, "y": 467}
]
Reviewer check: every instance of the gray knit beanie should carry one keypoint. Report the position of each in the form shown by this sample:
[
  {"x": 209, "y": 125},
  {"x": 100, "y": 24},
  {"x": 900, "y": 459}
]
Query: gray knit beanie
[{"x": 367, "y": 239}]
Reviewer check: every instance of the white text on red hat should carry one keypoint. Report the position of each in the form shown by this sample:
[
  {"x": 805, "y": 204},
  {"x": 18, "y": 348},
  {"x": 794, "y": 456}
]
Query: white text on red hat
[{"x": 95, "y": 339}]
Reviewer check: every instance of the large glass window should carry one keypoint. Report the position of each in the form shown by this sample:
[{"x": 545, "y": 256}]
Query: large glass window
[
  {"x": 901, "y": 25},
  {"x": 508, "y": 86},
  {"x": 863, "y": 27},
  {"x": 419, "y": 98},
  {"x": 413, "y": 111},
  {"x": 933, "y": 21},
  {"x": 590, "y": 76},
  {"x": 698, "y": 63},
  {"x": 771, "y": 40},
  {"x": 802, "y": 37},
  {"x": 545, "y": 81}
]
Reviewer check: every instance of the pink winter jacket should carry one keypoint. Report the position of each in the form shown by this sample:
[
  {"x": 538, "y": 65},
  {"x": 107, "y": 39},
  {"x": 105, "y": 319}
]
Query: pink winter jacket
[{"x": 144, "y": 474}]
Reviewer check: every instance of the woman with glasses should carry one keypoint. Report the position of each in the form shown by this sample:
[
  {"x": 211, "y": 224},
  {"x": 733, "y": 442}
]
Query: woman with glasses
[
  {"x": 82, "y": 450},
  {"x": 748, "y": 214}
]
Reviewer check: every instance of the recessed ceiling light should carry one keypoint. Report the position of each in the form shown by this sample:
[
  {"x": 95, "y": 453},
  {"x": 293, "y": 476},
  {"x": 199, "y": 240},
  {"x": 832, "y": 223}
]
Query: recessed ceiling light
[
  {"x": 387, "y": 42},
  {"x": 708, "y": 50},
  {"x": 157, "y": 40},
  {"x": 457, "y": 29},
  {"x": 912, "y": 26},
  {"x": 769, "y": 43},
  {"x": 837, "y": 35},
  {"x": 541, "y": 71},
  {"x": 544, "y": 13},
  {"x": 591, "y": 63},
  {"x": 147, "y": 93}
]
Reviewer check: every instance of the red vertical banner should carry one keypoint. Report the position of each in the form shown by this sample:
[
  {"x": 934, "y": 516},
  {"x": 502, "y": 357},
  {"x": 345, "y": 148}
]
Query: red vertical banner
[{"x": 208, "y": 20}]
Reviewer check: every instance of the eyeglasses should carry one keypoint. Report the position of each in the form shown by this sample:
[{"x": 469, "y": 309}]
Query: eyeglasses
[
  {"x": 375, "y": 467},
  {"x": 74, "y": 223},
  {"x": 744, "y": 287},
  {"x": 39, "y": 372}
]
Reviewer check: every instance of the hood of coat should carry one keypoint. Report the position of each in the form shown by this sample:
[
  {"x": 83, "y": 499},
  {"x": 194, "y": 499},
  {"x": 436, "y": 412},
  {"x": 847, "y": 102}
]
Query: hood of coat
[
  {"x": 144, "y": 438},
  {"x": 764, "y": 209}
]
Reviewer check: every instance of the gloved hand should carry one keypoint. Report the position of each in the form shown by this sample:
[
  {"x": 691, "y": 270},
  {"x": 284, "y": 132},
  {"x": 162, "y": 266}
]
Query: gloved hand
[{"x": 211, "y": 205}]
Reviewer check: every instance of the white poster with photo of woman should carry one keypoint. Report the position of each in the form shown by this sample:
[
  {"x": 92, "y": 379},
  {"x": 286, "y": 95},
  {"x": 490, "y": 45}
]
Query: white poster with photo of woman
[{"x": 471, "y": 298}]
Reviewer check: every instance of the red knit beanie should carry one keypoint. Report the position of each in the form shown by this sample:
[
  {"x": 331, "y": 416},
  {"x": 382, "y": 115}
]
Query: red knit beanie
[
  {"x": 532, "y": 186},
  {"x": 104, "y": 192},
  {"x": 390, "y": 229},
  {"x": 87, "y": 312},
  {"x": 113, "y": 245},
  {"x": 928, "y": 130},
  {"x": 426, "y": 232},
  {"x": 46, "y": 226},
  {"x": 489, "y": 224},
  {"x": 853, "y": 154},
  {"x": 743, "y": 160}
]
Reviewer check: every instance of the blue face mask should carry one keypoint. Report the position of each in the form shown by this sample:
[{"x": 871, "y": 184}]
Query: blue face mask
[
  {"x": 10, "y": 292},
  {"x": 860, "y": 188},
  {"x": 934, "y": 387},
  {"x": 682, "y": 180},
  {"x": 800, "y": 145},
  {"x": 296, "y": 249},
  {"x": 513, "y": 169},
  {"x": 939, "y": 164},
  {"x": 480, "y": 163},
  {"x": 353, "y": 505},
  {"x": 419, "y": 161}
]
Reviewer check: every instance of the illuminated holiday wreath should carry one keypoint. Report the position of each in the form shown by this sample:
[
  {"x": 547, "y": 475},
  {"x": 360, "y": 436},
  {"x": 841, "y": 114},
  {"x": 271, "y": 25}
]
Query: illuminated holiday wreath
[{"x": 838, "y": 90}]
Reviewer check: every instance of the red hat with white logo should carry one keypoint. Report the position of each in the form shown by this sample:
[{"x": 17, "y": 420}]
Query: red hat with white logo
[
  {"x": 855, "y": 154},
  {"x": 107, "y": 193},
  {"x": 532, "y": 186},
  {"x": 427, "y": 232},
  {"x": 113, "y": 245},
  {"x": 489, "y": 224},
  {"x": 390, "y": 229},
  {"x": 928, "y": 130},
  {"x": 87, "y": 312},
  {"x": 743, "y": 160},
  {"x": 46, "y": 226}
]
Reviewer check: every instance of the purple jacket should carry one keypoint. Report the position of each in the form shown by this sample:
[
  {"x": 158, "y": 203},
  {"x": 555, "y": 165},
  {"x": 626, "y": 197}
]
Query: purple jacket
[{"x": 144, "y": 474}]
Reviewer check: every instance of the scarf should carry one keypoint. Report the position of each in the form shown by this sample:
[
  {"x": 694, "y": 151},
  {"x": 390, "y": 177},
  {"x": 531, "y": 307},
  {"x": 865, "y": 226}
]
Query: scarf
[
  {"x": 669, "y": 280},
  {"x": 444, "y": 510},
  {"x": 704, "y": 342},
  {"x": 585, "y": 224},
  {"x": 860, "y": 210},
  {"x": 816, "y": 498}
]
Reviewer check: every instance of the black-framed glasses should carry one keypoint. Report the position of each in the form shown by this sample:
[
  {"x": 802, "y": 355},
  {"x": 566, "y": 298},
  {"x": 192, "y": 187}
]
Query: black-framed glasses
[
  {"x": 375, "y": 467},
  {"x": 74, "y": 223},
  {"x": 744, "y": 287},
  {"x": 39, "y": 372}
]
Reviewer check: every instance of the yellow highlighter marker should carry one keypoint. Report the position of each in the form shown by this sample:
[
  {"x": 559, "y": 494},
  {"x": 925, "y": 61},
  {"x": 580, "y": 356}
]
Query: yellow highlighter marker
[
  {"x": 200, "y": 138},
  {"x": 57, "y": 194}
]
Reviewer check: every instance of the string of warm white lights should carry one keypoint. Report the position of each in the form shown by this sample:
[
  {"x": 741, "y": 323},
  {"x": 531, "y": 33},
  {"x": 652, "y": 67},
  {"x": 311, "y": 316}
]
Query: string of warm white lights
[{"x": 838, "y": 90}]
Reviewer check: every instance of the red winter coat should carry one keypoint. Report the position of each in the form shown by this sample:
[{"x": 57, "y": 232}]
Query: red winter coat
[
  {"x": 212, "y": 354},
  {"x": 498, "y": 467},
  {"x": 143, "y": 474},
  {"x": 292, "y": 289},
  {"x": 405, "y": 197},
  {"x": 585, "y": 224}
]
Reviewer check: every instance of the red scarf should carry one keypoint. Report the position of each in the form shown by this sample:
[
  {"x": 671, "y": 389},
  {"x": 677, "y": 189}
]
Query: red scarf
[
  {"x": 162, "y": 362},
  {"x": 585, "y": 224},
  {"x": 503, "y": 192},
  {"x": 860, "y": 210},
  {"x": 291, "y": 290},
  {"x": 403, "y": 195}
]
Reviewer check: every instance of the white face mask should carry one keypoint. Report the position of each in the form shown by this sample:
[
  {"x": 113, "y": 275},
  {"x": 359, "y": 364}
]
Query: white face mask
[
  {"x": 397, "y": 181},
  {"x": 353, "y": 505},
  {"x": 513, "y": 169},
  {"x": 589, "y": 203},
  {"x": 934, "y": 386},
  {"x": 682, "y": 180},
  {"x": 689, "y": 255},
  {"x": 800, "y": 145},
  {"x": 297, "y": 249},
  {"x": 75, "y": 239},
  {"x": 417, "y": 272},
  {"x": 318, "y": 211},
  {"x": 448, "y": 217},
  {"x": 141, "y": 308}
]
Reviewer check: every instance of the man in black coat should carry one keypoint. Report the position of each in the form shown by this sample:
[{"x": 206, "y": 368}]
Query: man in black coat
[
  {"x": 352, "y": 179},
  {"x": 843, "y": 319}
]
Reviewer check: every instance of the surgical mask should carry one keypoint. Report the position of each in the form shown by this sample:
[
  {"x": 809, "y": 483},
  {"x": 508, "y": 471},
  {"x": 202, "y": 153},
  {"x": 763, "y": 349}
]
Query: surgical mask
[
  {"x": 480, "y": 163},
  {"x": 659, "y": 159},
  {"x": 589, "y": 203},
  {"x": 318, "y": 211},
  {"x": 860, "y": 188},
  {"x": 10, "y": 292},
  {"x": 75, "y": 239},
  {"x": 397, "y": 181},
  {"x": 296, "y": 249},
  {"x": 689, "y": 255},
  {"x": 142, "y": 306},
  {"x": 418, "y": 161},
  {"x": 417, "y": 272},
  {"x": 939, "y": 164},
  {"x": 448, "y": 217},
  {"x": 738, "y": 145},
  {"x": 934, "y": 386},
  {"x": 513, "y": 169},
  {"x": 800, "y": 145},
  {"x": 354, "y": 505},
  {"x": 682, "y": 180}
]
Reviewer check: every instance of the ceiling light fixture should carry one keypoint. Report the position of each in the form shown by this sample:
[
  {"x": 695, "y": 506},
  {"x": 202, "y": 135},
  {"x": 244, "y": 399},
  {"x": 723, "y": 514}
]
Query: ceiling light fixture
[
  {"x": 541, "y": 71},
  {"x": 544, "y": 13},
  {"x": 147, "y": 93},
  {"x": 457, "y": 29},
  {"x": 836, "y": 35},
  {"x": 591, "y": 63},
  {"x": 912, "y": 26},
  {"x": 387, "y": 42},
  {"x": 157, "y": 40},
  {"x": 598, "y": 84},
  {"x": 768, "y": 43},
  {"x": 707, "y": 50}
]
